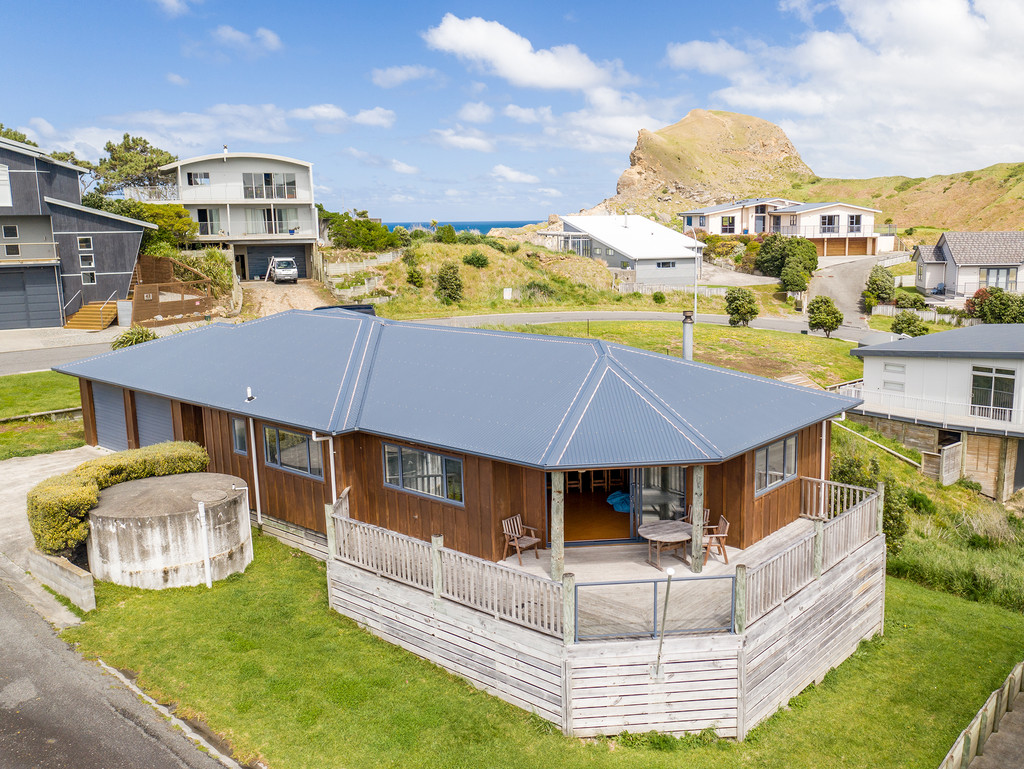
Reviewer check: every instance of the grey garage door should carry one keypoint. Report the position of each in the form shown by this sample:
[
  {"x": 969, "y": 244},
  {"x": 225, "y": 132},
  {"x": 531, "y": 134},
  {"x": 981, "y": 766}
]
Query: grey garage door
[
  {"x": 111, "y": 430},
  {"x": 153, "y": 415},
  {"x": 258, "y": 258},
  {"x": 28, "y": 298}
]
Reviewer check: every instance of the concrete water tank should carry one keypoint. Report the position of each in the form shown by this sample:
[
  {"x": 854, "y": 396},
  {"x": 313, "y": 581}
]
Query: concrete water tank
[{"x": 149, "y": 533}]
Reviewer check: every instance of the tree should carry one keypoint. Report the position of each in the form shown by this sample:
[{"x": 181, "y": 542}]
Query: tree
[
  {"x": 446, "y": 234},
  {"x": 404, "y": 238},
  {"x": 793, "y": 277},
  {"x": 908, "y": 323},
  {"x": 823, "y": 315},
  {"x": 175, "y": 226},
  {"x": 994, "y": 305},
  {"x": 448, "y": 283},
  {"x": 772, "y": 255},
  {"x": 17, "y": 136},
  {"x": 133, "y": 162},
  {"x": 353, "y": 229},
  {"x": 741, "y": 306},
  {"x": 881, "y": 284},
  {"x": 803, "y": 253}
]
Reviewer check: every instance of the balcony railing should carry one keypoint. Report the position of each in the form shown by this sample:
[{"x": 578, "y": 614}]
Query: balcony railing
[
  {"x": 25, "y": 253},
  {"x": 229, "y": 191},
  {"x": 928, "y": 410},
  {"x": 257, "y": 229},
  {"x": 828, "y": 231}
]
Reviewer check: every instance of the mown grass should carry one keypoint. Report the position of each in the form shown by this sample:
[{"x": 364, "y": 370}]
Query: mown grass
[
  {"x": 265, "y": 662},
  {"x": 755, "y": 351},
  {"x": 39, "y": 391},
  {"x": 26, "y": 438},
  {"x": 884, "y": 323},
  {"x": 903, "y": 268}
]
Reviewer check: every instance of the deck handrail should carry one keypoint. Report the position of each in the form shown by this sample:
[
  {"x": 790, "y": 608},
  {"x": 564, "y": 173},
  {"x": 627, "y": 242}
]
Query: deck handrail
[
  {"x": 69, "y": 301},
  {"x": 103, "y": 306}
]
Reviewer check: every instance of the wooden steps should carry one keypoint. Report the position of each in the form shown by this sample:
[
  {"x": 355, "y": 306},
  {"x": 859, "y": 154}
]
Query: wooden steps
[{"x": 93, "y": 317}]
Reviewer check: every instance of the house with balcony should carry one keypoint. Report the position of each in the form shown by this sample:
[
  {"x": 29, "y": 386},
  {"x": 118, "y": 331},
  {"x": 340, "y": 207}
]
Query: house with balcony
[
  {"x": 360, "y": 448},
  {"x": 836, "y": 229},
  {"x": 58, "y": 258},
  {"x": 956, "y": 396},
  {"x": 962, "y": 262},
  {"x": 258, "y": 206}
]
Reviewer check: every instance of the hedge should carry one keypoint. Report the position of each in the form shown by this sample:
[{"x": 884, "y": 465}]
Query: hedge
[{"x": 58, "y": 507}]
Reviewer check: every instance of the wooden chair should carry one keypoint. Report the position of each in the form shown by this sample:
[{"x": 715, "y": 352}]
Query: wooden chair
[
  {"x": 599, "y": 480},
  {"x": 716, "y": 538},
  {"x": 573, "y": 482},
  {"x": 689, "y": 515},
  {"x": 514, "y": 537}
]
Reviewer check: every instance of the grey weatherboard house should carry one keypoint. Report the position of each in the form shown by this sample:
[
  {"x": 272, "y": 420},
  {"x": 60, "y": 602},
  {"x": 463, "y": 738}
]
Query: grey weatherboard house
[{"x": 56, "y": 255}]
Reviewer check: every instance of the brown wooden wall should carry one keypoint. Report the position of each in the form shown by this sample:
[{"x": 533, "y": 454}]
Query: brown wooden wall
[
  {"x": 154, "y": 270},
  {"x": 492, "y": 491},
  {"x": 88, "y": 411}
]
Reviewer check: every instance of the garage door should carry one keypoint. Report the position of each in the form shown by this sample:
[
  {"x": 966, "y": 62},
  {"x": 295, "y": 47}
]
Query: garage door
[
  {"x": 258, "y": 258},
  {"x": 28, "y": 298},
  {"x": 153, "y": 415},
  {"x": 111, "y": 430}
]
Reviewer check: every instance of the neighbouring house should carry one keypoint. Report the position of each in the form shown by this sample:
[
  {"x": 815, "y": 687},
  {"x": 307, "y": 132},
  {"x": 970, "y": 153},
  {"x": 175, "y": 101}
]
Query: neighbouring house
[
  {"x": 257, "y": 206},
  {"x": 58, "y": 257},
  {"x": 956, "y": 396},
  {"x": 836, "y": 229},
  {"x": 643, "y": 250},
  {"x": 395, "y": 451},
  {"x": 962, "y": 262}
]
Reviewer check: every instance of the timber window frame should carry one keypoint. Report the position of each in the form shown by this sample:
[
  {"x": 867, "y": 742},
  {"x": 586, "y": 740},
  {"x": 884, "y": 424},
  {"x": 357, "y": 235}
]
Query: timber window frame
[
  {"x": 775, "y": 465},
  {"x": 279, "y": 442},
  {"x": 423, "y": 473},
  {"x": 241, "y": 447}
]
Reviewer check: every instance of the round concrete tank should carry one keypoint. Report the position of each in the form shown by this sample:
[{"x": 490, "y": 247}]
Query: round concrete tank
[{"x": 149, "y": 533}]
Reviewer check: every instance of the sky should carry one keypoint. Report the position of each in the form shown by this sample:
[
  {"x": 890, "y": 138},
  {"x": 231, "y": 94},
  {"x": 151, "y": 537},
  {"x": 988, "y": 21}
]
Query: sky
[{"x": 508, "y": 111}]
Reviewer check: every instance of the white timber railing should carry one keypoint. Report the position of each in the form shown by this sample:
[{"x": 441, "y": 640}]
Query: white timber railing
[{"x": 946, "y": 412}]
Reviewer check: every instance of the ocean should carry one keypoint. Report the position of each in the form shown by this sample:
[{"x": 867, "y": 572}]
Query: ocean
[{"x": 482, "y": 227}]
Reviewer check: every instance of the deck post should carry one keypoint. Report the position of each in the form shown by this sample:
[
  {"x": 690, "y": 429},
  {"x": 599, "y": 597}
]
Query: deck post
[
  {"x": 819, "y": 547},
  {"x": 568, "y": 608},
  {"x": 739, "y": 617},
  {"x": 880, "y": 513},
  {"x": 697, "y": 519},
  {"x": 436, "y": 543},
  {"x": 332, "y": 549},
  {"x": 557, "y": 524}
]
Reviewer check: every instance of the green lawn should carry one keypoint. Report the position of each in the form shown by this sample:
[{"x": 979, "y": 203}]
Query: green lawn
[
  {"x": 755, "y": 351},
  {"x": 266, "y": 664},
  {"x": 40, "y": 391},
  {"x": 903, "y": 268},
  {"x": 39, "y": 436},
  {"x": 884, "y": 323}
]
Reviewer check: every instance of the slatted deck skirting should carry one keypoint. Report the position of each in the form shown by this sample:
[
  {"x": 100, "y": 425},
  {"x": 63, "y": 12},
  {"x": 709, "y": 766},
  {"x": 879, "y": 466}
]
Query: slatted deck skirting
[{"x": 312, "y": 542}]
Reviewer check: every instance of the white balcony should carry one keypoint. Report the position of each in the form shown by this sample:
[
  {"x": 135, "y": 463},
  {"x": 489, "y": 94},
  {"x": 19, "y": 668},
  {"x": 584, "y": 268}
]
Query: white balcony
[
  {"x": 831, "y": 231},
  {"x": 301, "y": 228},
  {"x": 935, "y": 412},
  {"x": 208, "y": 193}
]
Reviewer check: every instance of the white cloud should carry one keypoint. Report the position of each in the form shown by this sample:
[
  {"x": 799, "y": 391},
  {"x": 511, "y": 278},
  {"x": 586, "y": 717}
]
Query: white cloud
[
  {"x": 378, "y": 116},
  {"x": 548, "y": 192},
  {"x": 867, "y": 98},
  {"x": 476, "y": 112},
  {"x": 496, "y": 49},
  {"x": 396, "y": 76},
  {"x": 322, "y": 112},
  {"x": 403, "y": 168},
  {"x": 175, "y": 79},
  {"x": 464, "y": 139},
  {"x": 330, "y": 118},
  {"x": 477, "y": 87},
  {"x": 399, "y": 197},
  {"x": 173, "y": 7},
  {"x": 506, "y": 174},
  {"x": 377, "y": 161},
  {"x": 42, "y": 128},
  {"x": 260, "y": 42},
  {"x": 805, "y": 9},
  {"x": 452, "y": 193},
  {"x": 528, "y": 114}
]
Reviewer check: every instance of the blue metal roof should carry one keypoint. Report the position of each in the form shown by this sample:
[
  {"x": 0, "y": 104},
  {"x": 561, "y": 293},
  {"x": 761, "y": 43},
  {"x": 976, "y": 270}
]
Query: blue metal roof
[
  {"x": 541, "y": 401},
  {"x": 997, "y": 340}
]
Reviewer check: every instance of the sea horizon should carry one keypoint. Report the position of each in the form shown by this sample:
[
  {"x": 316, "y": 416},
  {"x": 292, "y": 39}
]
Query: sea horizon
[{"x": 483, "y": 226}]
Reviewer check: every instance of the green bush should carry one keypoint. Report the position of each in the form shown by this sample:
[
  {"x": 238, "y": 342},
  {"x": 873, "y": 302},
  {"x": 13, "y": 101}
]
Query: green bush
[
  {"x": 57, "y": 507},
  {"x": 404, "y": 238},
  {"x": 415, "y": 277},
  {"x": 446, "y": 234},
  {"x": 448, "y": 282},
  {"x": 908, "y": 323},
  {"x": 870, "y": 300},
  {"x": 211, "y": 262},
  {"x": 969, "y": 483},
  {"x": 793, "y": 277},
  {"x": 855, "y": 471},
  {"x": 658, "y": 297},
  {"x": 419, "y": 234},
  {"x": 476, "y": 259},
  {"x": 921, "y": 502},
  {"x": 823, "y": 315},
  {"x": 882, "y": 284},
  {"x": 910, "y": 301},
  {"x": 132, "y": 336},
  {"x": 741, "y": 305},
  {"x": 469, "y": 238}
]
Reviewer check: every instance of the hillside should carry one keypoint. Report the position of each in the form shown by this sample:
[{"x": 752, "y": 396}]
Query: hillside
[{"x": 712, "y": 157}]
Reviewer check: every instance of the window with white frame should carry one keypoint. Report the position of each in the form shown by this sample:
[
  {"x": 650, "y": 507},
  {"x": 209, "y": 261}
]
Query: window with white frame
[
  {"x": 5, "y": 187},
  {"x": 12, "y": 249},
  {"x": 10, "y": 231},
  {"x": 728, "y": 225},
  {"x": 992, "y": 392},
  {"x": 774, "y": 464},
  {"x": 830, "y": 224},
  {"x": 793, "y": 220},
  {"x": 665, "y": 265},
  {"x": 239, "y": 436},
  {"x": 423, "y": 472},
  {"x": 854, "y": 222},
  {"x": 895, "y": 368},
  {"x": 197, "y": 178},
  {"x": 85, "y": 243},
  {"x": 597, "y": 250},
  {"x": 893, "y": 387},
  {"x": 269, "y": 185},
  {"x": 292, "y": 451},
  {"x": 88, "y": 278},
  {"x": 998, "y": 277},
  {"x": 763, "y": 209},
  {"x": 88, "y": 261},
  {"x": 701, "y": 221}
]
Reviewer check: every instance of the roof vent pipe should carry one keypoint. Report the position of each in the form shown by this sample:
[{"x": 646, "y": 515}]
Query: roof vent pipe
[
  {"x": 687, "y": 334},
  {"x": 225, "y": 153}
]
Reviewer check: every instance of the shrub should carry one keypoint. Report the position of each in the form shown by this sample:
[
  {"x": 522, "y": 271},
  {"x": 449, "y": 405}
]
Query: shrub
[
  {"x": 469, "y": 238},
  {"x": 57, "y": 507},
  {"x": 537, "y": 290},
  {"x": 908, "y": 323},
  {"x": 994, "y": 305},
  {"x": 910, "y": 301},
  {"x": 921, "y": 502},
  {"x": 823, "y": 315},
  {"x": 476, "y": 259},
  {"x": 404, "y": 238},
  {"x": 882, "y": 284},
  {"x": 446, "y": 234},
  {"x": 211, "y": 262},
  {"x": 855, "y": 471},
  {"x": 448, "y": 282},
  {"x": 870, "y": 300},
  {"x": 772, "y": 255},
  {"x": 969, "y": 483},
  {"x": 415, "y": 277},
  {"x": 658, "y": 297},
  {"x": 132, "y": 336},
  {"x": 419, "y": 234},
  {"x": 793, "y": 277},
  {"x": 741, "y": 306}
]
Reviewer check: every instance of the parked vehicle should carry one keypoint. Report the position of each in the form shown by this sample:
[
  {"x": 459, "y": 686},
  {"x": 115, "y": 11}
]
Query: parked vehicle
[{"x": 282, "y": 268}]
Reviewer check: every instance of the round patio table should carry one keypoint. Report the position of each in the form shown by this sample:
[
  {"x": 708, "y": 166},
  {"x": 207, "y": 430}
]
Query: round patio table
[{"x": 665, "y": 535}]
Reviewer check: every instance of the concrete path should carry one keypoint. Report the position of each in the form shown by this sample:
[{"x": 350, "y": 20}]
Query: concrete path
[{"x": 1005, "y": 748}]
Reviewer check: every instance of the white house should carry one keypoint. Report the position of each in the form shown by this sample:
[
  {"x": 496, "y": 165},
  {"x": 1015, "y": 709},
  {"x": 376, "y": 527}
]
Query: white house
[
  {"x": 834, "y": 228},
  {"x": 653, "y": 252},
  {"x": 257, "y": 205},
  {"x": 962, "y": 262},
  {"x": 956, "y": 397}
]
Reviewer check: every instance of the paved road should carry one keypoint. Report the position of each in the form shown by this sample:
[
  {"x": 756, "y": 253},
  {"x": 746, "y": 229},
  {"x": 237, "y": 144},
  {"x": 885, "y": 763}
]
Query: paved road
[
  {"x": 39, "y": 360},
  {"x": 844, "y": 283}
]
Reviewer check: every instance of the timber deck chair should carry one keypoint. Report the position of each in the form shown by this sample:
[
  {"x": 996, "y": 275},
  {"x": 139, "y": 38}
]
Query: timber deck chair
[
  {"x": 716, "y": 538},
  {"x": 514, "y": 537}
]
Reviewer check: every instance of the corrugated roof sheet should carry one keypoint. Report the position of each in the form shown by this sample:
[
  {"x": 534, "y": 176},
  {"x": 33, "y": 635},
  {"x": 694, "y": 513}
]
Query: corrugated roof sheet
[
  {"x": 799, "y": 207},
  {"x": 636, "y": 236},
  {"x": 983, "y": 247},
  {"x": 736, "y": 204},
  {"x": 997, "y": 340},
  {"x": 549, "y": 402}
]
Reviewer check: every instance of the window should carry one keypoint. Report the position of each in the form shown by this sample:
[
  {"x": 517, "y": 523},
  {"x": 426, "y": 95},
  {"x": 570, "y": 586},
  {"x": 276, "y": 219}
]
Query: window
[
  {"x": 728, "y": 225},
  {"x": 5, "y": 187},
  {"x": 830, "y": 224},
  {"x": 793, "y": 220},
  {"x": 894, "y": 387},
  {"x": 88, "y": 278},
  {"x": 85, "y": 244},
  {"x": 760, "y": 209},
  {"x": 209, "y": 220},
  {"x": 992, "y": 392},
  {"x": 238, "y": 435},
  {"x": 895, "y": 368},
  {"x": 423, "y": 472},
  {"x": 597, "y": 250},
  {"x": 197, "y": 178},
  {"x": 87, "y": 260},
  {"x": 10, "y": 231},
  {"x": 292, "y": 451},
  {"x": 665, "y": 265},
  {"x": 999, "y": 277},
  {"x": 854, "y": 222},
  {"x": 689, "y": 221},
  {"x": 701, "y": 221},
  {"x": 269, "y": 185},
  {"x": 774, "y": 464},
  {"x": 611, "y": 252},
  {"x": 12, "y": 249}
]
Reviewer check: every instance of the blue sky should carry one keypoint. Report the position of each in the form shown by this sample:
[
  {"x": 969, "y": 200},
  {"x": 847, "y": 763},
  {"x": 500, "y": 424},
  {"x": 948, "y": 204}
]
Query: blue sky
[{"x": 465, "y": 111}]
